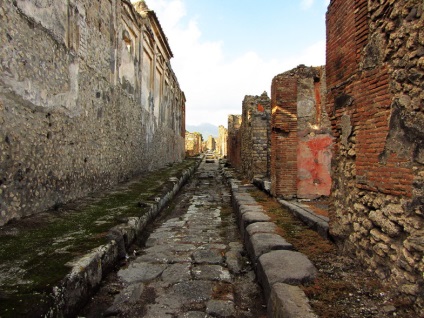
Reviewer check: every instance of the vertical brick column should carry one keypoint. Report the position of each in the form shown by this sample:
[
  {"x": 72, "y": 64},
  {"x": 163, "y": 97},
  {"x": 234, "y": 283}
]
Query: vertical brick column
[{"x": 284, "y": 137}]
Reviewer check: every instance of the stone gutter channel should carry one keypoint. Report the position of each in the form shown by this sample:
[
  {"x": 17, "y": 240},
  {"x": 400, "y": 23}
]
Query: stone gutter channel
[
  {"x": 87, "y": 272},
  {"x": 279, "y": 269}
]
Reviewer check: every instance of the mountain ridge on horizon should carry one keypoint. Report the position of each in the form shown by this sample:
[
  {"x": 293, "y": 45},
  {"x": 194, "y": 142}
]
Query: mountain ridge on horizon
[{"x": 206, "y": 129}]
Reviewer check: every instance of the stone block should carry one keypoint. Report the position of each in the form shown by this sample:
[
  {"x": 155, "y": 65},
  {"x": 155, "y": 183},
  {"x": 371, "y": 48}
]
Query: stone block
[
  {"x": 288, "y": 301},
  {"x": 284, "y": 267},
  {"x": 261, "y": 227},
  {"x": 261, "y": 243},
  {"x": 252, "y": 217}
]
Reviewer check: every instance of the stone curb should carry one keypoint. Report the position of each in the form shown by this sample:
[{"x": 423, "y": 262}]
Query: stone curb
[
  {"x": 275, "y": 264},
  {"x": 316, "y": 222},
  {"x": 288, "y": 301},
  {"x": 88, "y": 271}
]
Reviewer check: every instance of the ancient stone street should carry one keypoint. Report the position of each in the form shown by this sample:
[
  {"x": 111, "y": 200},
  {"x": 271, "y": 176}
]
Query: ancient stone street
[{"x": 191, "y": 265}]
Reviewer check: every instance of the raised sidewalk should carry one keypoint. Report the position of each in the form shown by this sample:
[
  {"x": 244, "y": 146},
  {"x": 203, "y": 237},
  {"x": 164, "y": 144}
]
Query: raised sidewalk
[{"x": 279, "y": 269}]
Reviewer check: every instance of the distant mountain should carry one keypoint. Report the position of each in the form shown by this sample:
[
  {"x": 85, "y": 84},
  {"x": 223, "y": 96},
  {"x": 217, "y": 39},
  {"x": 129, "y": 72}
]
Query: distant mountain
[{"x": 205, "y": 129}]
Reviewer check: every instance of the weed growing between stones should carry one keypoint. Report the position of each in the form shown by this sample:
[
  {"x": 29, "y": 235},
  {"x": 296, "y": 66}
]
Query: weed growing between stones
[{"x": 35, "y": 251}]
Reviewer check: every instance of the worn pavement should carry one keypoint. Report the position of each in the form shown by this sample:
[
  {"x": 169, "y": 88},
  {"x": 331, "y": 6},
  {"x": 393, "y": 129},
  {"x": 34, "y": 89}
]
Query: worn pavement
[{"x": 192, "y": 264}]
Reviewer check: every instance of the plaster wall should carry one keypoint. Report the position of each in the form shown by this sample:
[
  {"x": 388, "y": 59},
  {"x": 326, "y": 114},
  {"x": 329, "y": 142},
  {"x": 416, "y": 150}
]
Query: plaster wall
[{"x": 71, "y": 116}]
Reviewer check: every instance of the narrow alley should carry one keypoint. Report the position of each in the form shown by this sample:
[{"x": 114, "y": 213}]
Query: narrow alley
[
  {"x": 284, "y": 177},
  {"x": 192, "y": 264}
]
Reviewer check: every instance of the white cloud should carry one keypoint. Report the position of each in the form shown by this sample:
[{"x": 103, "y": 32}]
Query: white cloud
[
  {"x": 306, "y": 4},
  {"x": 215, "y": 87}
]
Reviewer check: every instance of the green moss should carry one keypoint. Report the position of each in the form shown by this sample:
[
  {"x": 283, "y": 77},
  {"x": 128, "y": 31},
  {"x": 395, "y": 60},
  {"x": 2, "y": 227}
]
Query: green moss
[{"x": 34, "y": 260}]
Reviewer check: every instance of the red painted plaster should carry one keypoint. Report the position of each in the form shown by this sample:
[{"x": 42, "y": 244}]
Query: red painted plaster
[{"x": 314, "y": 163}]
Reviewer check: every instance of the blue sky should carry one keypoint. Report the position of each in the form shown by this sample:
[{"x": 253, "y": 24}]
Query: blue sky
[{"x": 226, "y": 49}]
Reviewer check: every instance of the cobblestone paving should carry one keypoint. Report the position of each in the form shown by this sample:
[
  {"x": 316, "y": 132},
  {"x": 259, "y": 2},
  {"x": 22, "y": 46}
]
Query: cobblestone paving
[{"x": 192, "y": 265}]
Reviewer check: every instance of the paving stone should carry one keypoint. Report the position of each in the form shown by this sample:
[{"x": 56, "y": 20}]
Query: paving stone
[
  {"x": 212, "y": 256},
  {"x": 211, "y": 272},
  {"x": 176, "y": 273},
  {"x": 261, "y": 243},
  {"x": 220, "y": 308},
  {"x": 194, "y": 314},
  {"x": 284, "y": 267},
  {"x": 131, "y": 294},
  {"x": 128, "y": 296},
  {"x": 192, "y": 291},
  {"x": 287, "y": 301},
  {"x": 164, "y": 254},
  {"x": 232, "y": 258},
  {"x": 156, "y": 311},
  {"x": 141, "y": 272}
]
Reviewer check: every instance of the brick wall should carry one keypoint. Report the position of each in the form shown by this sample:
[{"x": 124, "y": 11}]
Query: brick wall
[
  {"x": 375, "y": 71},
  {"x": 255, "y": 132},
  {"x": 71, "y": 120},
  {"x": 300, "y": 139},
  {"x": 284, "y": 136}
]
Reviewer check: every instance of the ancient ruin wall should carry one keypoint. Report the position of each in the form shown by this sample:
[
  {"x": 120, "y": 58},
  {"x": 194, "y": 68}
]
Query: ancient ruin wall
[
  {"x": 72, "y": 116},
  {"x": 234, "y": 141},
  {"x": 221, "y": 144},
  {"x": 375, "y": 73},
  {"x": 193, "y": 144},
  {"x": 255, "y": 133},
  {"x": 300, "y": 137}
]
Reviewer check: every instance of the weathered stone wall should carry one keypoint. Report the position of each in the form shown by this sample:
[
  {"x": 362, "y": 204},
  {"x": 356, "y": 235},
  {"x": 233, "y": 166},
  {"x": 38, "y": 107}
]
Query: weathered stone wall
[
  {"x": 211, "y": 143},
  {"x": 300, "y": 137},
  {"x": 255, "y": 131},
  {"x": 221, "y": 143},
  {"x": 375, "y": 75},
  {"x": 72, "y": 117},
  {"x": 193, "y": 143},
  {"x": 234, "y": 141}
]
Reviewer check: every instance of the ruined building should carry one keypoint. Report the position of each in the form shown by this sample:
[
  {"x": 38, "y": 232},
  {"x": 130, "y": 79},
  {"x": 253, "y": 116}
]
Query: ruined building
[
  {"x": 254, "y": 134},
  {"x": 221, "y": 142},
  {"x": 88, "y": 98},
  {"x": 375, "y": 100},
  {"x": 210, "y": 143},
  {"x": 193, "y": 143},
  {"x": 234, "y": 141},
  {"x": 300, "y": 137}
]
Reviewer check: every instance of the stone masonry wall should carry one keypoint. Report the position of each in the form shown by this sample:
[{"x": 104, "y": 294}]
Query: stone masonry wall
[
  {"x": 193, "y": 143},
  {"x": 375, "y": 75},
  {"x": 255, "y": 132},
  {"x": 234, "y": 141},
  {"x": 221, "y": 144},
  {"x": 300, "y": 138},
  {"x": 71, "y": 118}
]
